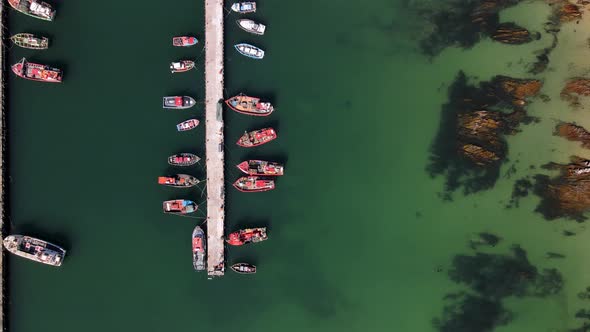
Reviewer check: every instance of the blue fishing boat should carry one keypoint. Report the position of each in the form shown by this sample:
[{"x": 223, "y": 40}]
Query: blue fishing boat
[{"x": 250, "y": 51}]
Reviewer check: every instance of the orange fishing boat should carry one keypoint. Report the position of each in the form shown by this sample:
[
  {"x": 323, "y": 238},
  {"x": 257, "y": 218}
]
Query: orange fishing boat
[{"x": 249, "y": 105}]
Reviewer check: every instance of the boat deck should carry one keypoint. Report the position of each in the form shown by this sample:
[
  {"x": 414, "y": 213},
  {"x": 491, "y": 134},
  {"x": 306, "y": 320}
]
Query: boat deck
[{"x": 214, "y": 136}]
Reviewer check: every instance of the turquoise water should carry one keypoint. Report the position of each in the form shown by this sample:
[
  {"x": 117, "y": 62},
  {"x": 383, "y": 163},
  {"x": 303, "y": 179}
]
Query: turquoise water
[{"x": 359, "y": 238}]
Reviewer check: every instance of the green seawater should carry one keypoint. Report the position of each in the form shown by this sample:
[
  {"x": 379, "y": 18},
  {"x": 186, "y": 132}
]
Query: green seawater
[{"x": 360, "y": 239}]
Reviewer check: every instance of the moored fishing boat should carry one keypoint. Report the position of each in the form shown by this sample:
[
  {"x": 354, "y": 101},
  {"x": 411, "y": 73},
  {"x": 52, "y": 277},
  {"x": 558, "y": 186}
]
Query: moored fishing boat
[
  {"x": 244, "y": 7},
  {"x": 244, "y": 268},
  {"x": 251, "y": 26},
  {"x": 183, "y": 159},
  {"x": 249, "y": 105},
  {"x": 252, "y": 184},
  {"x": 199, "y": 247},
  {"x": 250, "y": 51},
  {"x": 179, "y": 206},
  {"x": 261, "y": 167},
  {"x": 34, "y": 8},
  {"x": 35, "y": 249},
  {"x": 30, "y": 41},
  {"x": 36, "y": 72},
  {"x": 257, "y": 137},
  {"x": 187, "y": 125},
  {"x": 178, "y": 181},
  {"x": 178, "y": 102},
  {"x": 184, "y": 41},
  {"x": 181, "y": 66},
  {"x": 248, "y": 235}
]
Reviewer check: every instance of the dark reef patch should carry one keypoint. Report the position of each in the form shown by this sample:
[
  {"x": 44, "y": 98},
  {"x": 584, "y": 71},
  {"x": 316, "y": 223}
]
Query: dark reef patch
[
  {"x": 521, "y": 189},
  {"x": 470, "y": 147},
  {"x": 469, "y": 313},
  {"x": 566, "y": 195},
  {"x": 492, "y": 278}
]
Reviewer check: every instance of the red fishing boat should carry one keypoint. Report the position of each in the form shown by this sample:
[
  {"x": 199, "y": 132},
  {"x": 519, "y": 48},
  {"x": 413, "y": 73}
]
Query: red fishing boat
[
  {"x": 179, "y": 206},
  {"x": 36, "y": 72},
  {"x": 181, "y": 66},
  {"x": 178, "y": 181},
  {"x": 187, "y": 125},
  {"x": 252, "y": 184},
  {"x": 257, "y": 137},
  {"x": 261, "y": 167},
  {"x": 184, "y": 41},
  {"x": 248, "y": 235},
  {"x": 249, "y": 105}
]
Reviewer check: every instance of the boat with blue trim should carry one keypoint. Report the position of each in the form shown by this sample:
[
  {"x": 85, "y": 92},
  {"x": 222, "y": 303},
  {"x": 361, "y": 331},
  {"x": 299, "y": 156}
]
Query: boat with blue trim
[{"x": 249, "y": 51}]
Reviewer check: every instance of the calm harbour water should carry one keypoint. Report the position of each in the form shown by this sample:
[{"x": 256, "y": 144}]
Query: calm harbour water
[{"x": 359, "y": 238}]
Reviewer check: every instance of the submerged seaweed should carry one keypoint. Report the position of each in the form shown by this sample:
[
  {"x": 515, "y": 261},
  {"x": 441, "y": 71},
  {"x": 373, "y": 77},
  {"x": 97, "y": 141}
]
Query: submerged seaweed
[
  {"x": 469, "y": 313},
  {"x": 470, "y": 145}
]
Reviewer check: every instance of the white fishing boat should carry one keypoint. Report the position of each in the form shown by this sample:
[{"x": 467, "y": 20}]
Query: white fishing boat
[
  {"x": 244, "y": 7},
  {"x": 250, "y": 51},
  {"x": 251, "y": 26}
]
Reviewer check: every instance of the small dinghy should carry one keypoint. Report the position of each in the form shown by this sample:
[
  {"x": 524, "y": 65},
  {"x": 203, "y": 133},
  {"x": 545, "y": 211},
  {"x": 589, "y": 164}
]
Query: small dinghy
[
  {"x": 178, "y": 181},
  {"x": 187, "y": 125},
  {"x": 178, "y": 102},
  {"x": 251, "y": 26},
  {"x": 30, "y": 41},
  {"x": 179, "y": 206},
  {"x": 244, "y": 268},
  {"x": 244, "y": 7},
  {"x": 183, "y": 159},
  {"x": 257, "y": 137},
  {"x": 249, "y": 51},
  {"x": 253, "y": 184},
  {"x": 181, "y": 66},
  {"x": 184, "y": 41}
]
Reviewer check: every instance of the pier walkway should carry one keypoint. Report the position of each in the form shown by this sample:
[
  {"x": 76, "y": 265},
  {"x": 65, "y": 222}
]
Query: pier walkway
[{"x": 214, "y": 136}]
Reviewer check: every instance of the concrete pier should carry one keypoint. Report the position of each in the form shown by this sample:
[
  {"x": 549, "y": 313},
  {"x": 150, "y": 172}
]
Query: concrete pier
[{"x": 214, "y": 136}]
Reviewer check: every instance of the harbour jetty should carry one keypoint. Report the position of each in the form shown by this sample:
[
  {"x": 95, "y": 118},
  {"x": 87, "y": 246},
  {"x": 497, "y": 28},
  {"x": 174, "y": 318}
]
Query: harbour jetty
[{"x": 214, "y": 136}]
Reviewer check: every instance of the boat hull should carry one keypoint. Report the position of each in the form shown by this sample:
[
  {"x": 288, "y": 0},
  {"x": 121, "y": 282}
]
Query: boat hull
[
  {"x": 178, "y": 181},
  {"x": 199, "y": 246},
  {"x": 244, "y": 268},
  {"x": 244, "y": 7},
  {"x": 34, "y": 249},
  {"x": 184, "y": 41},
  {"x": 261, "y": 168},
  {"x": 36, "y": 72},
  {"x": 253, "y": 184},
  {"x": 250, "y": 51},
  {"x": 179, "y": 206},
  {"x": 249, "y": 105},
  {"x": 33, "y": 8},
  {"x": 187, "y": 125},
  {"x": 183, "y": 159},
  {"x": 257, "y": 138},
  {"x": 181, "y": 66},
  {"x": 178, "y": 102},
  {"x": 30, "y": 41},
  {"x": 246, "y": 236},
  {"x": 251, "y": 26}
]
